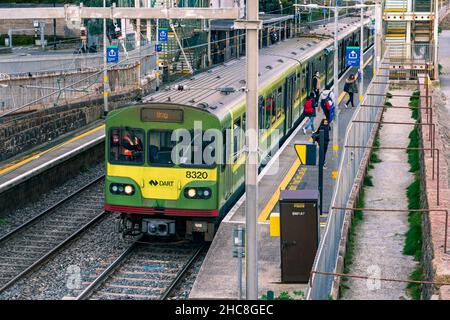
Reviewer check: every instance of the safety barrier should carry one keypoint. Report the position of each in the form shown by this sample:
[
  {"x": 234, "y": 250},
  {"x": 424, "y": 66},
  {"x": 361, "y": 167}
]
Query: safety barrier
[{"x": 357, "y": 133}]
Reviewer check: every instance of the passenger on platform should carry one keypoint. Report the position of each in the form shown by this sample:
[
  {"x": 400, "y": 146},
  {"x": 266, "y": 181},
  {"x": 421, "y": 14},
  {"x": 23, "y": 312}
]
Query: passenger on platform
[
  {"x": 350, "y": 88},
  {"x": 327, "y": 103},
  {"x": 309, "y": 110},
  {"x": 324, "y": 125},
  {"x": 316, "y": 86}
]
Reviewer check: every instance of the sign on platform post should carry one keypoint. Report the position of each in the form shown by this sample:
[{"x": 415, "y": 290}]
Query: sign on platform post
[
  {"x": 352, "y": 56},
  {"x": 163, "y": 35},
  {"x": 158, "y": 47},
  {"x": 112, "y": 54}
]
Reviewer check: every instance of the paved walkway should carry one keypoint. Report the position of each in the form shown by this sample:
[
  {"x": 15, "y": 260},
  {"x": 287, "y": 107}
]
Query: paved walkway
[{"x": 381, "y": 235}]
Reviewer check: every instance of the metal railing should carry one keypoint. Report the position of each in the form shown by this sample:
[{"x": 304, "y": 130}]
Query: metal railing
[
  {"x": 350, "y": 162},
  {"x": 26, "y": 92}
]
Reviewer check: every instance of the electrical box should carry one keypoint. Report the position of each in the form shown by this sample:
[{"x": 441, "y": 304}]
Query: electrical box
[{"x": 299, "y": 233}]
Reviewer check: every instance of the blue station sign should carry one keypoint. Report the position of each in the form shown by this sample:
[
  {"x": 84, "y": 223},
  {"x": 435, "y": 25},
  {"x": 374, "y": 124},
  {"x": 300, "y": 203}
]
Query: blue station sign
[
  {"x": 112, "y": 54},
  {"x": 163, "y": 35},
  {"x": 352, "y": 56}
]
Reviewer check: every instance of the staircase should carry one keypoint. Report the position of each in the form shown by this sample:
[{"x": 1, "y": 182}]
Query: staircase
[
  {"x": 396, "y": 6},
  {"x": 395, "y": 34}
]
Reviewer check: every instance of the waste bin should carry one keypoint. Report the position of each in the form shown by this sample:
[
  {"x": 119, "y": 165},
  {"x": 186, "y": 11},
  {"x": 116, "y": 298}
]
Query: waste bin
[{"x": 299, "y": 233}]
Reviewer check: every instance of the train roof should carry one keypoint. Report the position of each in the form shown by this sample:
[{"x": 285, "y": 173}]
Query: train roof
[{"x": 219, "y": 88}]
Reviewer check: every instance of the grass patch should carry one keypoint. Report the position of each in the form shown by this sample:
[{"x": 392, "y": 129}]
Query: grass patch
[
  {"x": 413, "y": 155},
  {"x": 413, "y": 237},
  {"x": 413, "y": 240},
  {"x": 415, "y": 289},
  {"x": 285, "y": 295},
  {"x": 414, "y": 104},
  {"x": 351, "y": 242},
  {"x": 2, "y": 221},
  {"x": 368, "y": 181}
]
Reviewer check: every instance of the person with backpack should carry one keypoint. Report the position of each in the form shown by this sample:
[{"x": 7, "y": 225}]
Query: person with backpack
[
  {"x": 309, "y": 110},
  {"x": 327, "y": 103},
  {"x": 350, "y": 88}
]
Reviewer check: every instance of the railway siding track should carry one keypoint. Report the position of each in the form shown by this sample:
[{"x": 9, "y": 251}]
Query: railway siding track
[
  {"x": 144, "y": 271},
  {"x": 34, "y": 242}
]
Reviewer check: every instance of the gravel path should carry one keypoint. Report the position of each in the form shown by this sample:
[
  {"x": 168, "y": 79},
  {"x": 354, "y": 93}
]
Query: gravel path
[
  {"x": 381, "y": 235},
  {"x": 21, "y": 215}
]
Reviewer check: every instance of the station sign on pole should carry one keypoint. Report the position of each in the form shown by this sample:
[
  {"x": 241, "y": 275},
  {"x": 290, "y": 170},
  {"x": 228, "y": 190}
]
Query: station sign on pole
[
  {"x": 352, "y": 56},
  {"x": 112, "y": 54},
  {"x": 163, "y": 35}
]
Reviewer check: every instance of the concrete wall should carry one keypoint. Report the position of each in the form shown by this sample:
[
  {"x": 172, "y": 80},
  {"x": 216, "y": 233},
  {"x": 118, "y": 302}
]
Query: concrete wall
[
  {"x": 31, "y": 130},
  {"x": 435, "y": 262}
]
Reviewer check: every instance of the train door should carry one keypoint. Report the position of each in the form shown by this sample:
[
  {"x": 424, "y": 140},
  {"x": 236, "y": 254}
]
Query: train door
[
  {"x": 226, "y": 163},
  {"x": 308, "y": 78},
  {"x": 288, "y": 94}
]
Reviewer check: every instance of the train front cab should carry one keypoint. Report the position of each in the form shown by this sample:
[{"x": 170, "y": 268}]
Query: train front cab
[{"x": 156, "y": 193}]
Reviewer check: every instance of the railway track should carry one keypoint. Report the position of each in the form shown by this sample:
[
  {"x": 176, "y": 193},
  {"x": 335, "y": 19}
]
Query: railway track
[
  {"x": 144, "y": 271},
  {"x": 31, "y": 244}
]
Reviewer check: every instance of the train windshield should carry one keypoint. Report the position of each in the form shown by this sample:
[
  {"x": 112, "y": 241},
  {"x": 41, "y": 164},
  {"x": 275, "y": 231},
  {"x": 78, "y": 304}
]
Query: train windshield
[
  {"x": 181, "y": 148},
  {"x": 126, "y": 145}
]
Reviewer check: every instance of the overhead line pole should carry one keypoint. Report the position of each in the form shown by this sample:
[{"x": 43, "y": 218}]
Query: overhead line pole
[
  {"x": 252, "y": 24},
  {"x": 335, "y": 97},
  {"x": 105, "y": 70},
  {"x": 361, "y": 55},
  {"x": 251, "y": 162}
]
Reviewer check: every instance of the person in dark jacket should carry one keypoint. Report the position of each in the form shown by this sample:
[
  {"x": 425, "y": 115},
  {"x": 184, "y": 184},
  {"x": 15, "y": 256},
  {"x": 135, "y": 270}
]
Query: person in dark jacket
[
  {"x": 316, "y": 86},
  {"x": 351, "y": 88},
  {"x": 326, "y": 135}
]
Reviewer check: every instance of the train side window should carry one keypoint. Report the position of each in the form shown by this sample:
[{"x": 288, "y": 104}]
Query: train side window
[
  {"x": 226, "y": 148},
  {"x": 280, "y": 109},
  {"x": 273, "y": 114},
  {"x": 237, "y": 132},
  {"x": 126, "y": 146},
  {"x": 270, "y": 105},
  {"x": 261, "y": 109}
]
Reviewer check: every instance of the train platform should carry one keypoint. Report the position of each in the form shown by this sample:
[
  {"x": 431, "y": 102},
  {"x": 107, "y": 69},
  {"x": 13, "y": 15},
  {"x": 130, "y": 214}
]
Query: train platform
[
  {"x": 24, "y": 167},
  {"x": 218, "y": 275}
]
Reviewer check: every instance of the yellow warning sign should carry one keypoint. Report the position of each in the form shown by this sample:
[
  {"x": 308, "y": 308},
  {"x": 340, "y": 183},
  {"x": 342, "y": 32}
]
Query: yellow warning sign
[
  {"x": 301, "y": 152},
  {"x": 306, "y": 153}
]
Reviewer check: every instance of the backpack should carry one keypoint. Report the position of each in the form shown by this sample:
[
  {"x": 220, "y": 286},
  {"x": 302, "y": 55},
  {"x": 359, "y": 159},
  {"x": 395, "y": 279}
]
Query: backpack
[
  {"x": 327, "y": 103},
  {"x": 309, "y": 109}
]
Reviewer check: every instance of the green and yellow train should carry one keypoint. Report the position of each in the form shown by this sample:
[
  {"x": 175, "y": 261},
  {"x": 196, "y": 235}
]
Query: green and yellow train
[{"x": 175, "y": 163}]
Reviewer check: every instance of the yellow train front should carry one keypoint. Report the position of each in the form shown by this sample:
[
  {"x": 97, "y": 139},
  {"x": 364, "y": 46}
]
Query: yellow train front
[{"x": 154, "y": 176}]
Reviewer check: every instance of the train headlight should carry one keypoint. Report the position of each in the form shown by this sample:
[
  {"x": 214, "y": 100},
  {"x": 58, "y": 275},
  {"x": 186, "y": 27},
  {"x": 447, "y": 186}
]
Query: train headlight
[
  {"x": 197, "y": 193},
  {"x": 191, "y": 193},
  {"x": 122, "y": 189},
  {"x": 129, "y": 190}
]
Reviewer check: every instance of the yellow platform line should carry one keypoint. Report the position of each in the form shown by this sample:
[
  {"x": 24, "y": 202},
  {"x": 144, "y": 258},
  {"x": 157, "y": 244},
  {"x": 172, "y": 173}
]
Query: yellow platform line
[
  {"x": 35, "y": 156},
  {"x": 274, "y": 199}
]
